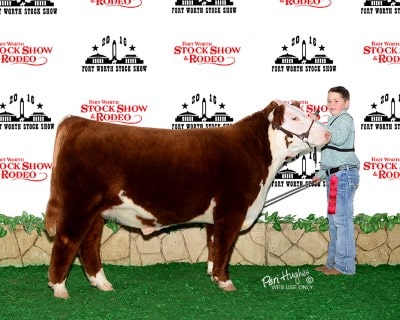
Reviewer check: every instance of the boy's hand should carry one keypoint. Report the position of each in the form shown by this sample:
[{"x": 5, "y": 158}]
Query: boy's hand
[{"x": 316, "y": 180}]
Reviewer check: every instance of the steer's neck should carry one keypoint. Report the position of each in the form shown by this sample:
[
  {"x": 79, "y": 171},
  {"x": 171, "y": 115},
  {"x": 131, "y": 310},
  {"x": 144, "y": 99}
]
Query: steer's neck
[{"x": 279, "y": 151}]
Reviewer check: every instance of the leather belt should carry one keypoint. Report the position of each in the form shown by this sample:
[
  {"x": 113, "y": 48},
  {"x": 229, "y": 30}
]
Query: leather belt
[{"x": 334, "y": 170}]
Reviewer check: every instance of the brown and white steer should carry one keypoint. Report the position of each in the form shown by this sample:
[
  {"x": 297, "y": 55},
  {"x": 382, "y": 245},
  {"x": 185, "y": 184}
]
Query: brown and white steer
[{"x": 153, "y": 178}]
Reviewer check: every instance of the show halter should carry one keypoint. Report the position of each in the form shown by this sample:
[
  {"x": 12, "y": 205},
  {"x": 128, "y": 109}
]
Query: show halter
[{"x": 302, "y": 136}]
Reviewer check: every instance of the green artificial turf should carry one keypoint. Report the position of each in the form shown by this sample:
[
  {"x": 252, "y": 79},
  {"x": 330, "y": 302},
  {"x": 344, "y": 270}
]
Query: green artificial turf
[{"x": 183, "y": 291}]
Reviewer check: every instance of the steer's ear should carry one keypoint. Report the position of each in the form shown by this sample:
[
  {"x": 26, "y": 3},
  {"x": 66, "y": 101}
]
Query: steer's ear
[
  {"x": 275, "y": 113},
  {"x": 296, "y": 104}
]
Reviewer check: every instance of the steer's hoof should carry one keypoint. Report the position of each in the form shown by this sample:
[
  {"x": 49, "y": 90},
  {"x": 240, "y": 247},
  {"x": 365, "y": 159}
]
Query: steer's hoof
[
  {"x": 226, "y": 285},
  {"x": 100, "y": 281},
  {"x": 103, "y": 286},
  {"x": 59, "y": 290}
]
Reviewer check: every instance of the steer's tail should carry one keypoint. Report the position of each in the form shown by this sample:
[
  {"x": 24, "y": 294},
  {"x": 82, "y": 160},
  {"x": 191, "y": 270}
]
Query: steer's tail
[{"x": 54, "y": 205}]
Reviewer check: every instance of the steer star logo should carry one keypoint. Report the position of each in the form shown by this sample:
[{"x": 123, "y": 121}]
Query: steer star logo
[
  {"x": 384, "y": 115},
  {"x": 26, "y": 113},
  {"x": 307, "y": 3},
  {"x": 203, "y": 7},
  {"x": 381, "y": 7},
  {"x": 383, "y": 52},
  {"x": 27, "y": 7},
  {"x": 118, "y": 3},
  {"x": 108, "y": 57},
  {"x": 207, "y": 53},
  {"x": 20, "y": 53},
  {"x": 195, "y": 120},
  {"x": 299, "y": 168},
  {"x": 303, "y": 55}
]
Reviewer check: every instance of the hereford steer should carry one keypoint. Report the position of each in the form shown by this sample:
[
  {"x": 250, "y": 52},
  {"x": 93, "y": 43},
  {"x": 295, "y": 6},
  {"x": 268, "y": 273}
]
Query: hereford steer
[{"x": 154, "y": 178}]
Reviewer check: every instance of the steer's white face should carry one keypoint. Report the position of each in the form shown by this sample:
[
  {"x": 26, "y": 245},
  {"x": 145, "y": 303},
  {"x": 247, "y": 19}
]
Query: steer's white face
[{"x": 296, "y": 122}]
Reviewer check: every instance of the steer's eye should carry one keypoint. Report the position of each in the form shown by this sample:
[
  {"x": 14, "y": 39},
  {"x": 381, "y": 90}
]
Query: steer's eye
[{"x": 295, "y": 118}]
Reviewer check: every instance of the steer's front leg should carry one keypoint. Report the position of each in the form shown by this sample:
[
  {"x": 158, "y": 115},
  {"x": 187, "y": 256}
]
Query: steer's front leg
[
  {"x": 225, "y": 236},
  {"x": 210, "y": 246}
]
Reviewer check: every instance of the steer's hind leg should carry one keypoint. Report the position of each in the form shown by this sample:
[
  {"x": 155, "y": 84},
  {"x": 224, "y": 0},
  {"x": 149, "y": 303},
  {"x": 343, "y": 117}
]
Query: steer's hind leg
[
  {"x": 65, "y": 248},
  {"x": 90, "y": 256},
  {"x": 63, "y": 253}
]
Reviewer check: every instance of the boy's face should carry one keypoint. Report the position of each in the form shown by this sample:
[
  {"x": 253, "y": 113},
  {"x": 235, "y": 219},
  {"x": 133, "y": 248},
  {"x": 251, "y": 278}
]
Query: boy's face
[{"x": 336, "y": 103}]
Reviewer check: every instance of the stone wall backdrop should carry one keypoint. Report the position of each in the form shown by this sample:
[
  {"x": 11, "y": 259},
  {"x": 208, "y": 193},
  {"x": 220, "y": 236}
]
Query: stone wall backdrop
[{"x": 261, "y": 245}]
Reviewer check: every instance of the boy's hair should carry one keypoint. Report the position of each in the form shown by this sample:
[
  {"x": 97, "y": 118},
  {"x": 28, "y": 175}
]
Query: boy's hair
[{"x": 342, "y": 91}]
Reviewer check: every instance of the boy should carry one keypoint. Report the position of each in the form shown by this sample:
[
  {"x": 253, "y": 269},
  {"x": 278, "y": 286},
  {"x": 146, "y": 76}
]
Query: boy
[{"x": 339, "y": 166}]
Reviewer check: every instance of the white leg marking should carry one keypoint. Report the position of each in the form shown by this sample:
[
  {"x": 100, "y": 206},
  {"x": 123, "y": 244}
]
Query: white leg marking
[
  {"x": 210, "y": 266},
  {"x": 226, "y": 285},
  {"x": 100, "y": 281},
  {"x": 59, "y": 289}
]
